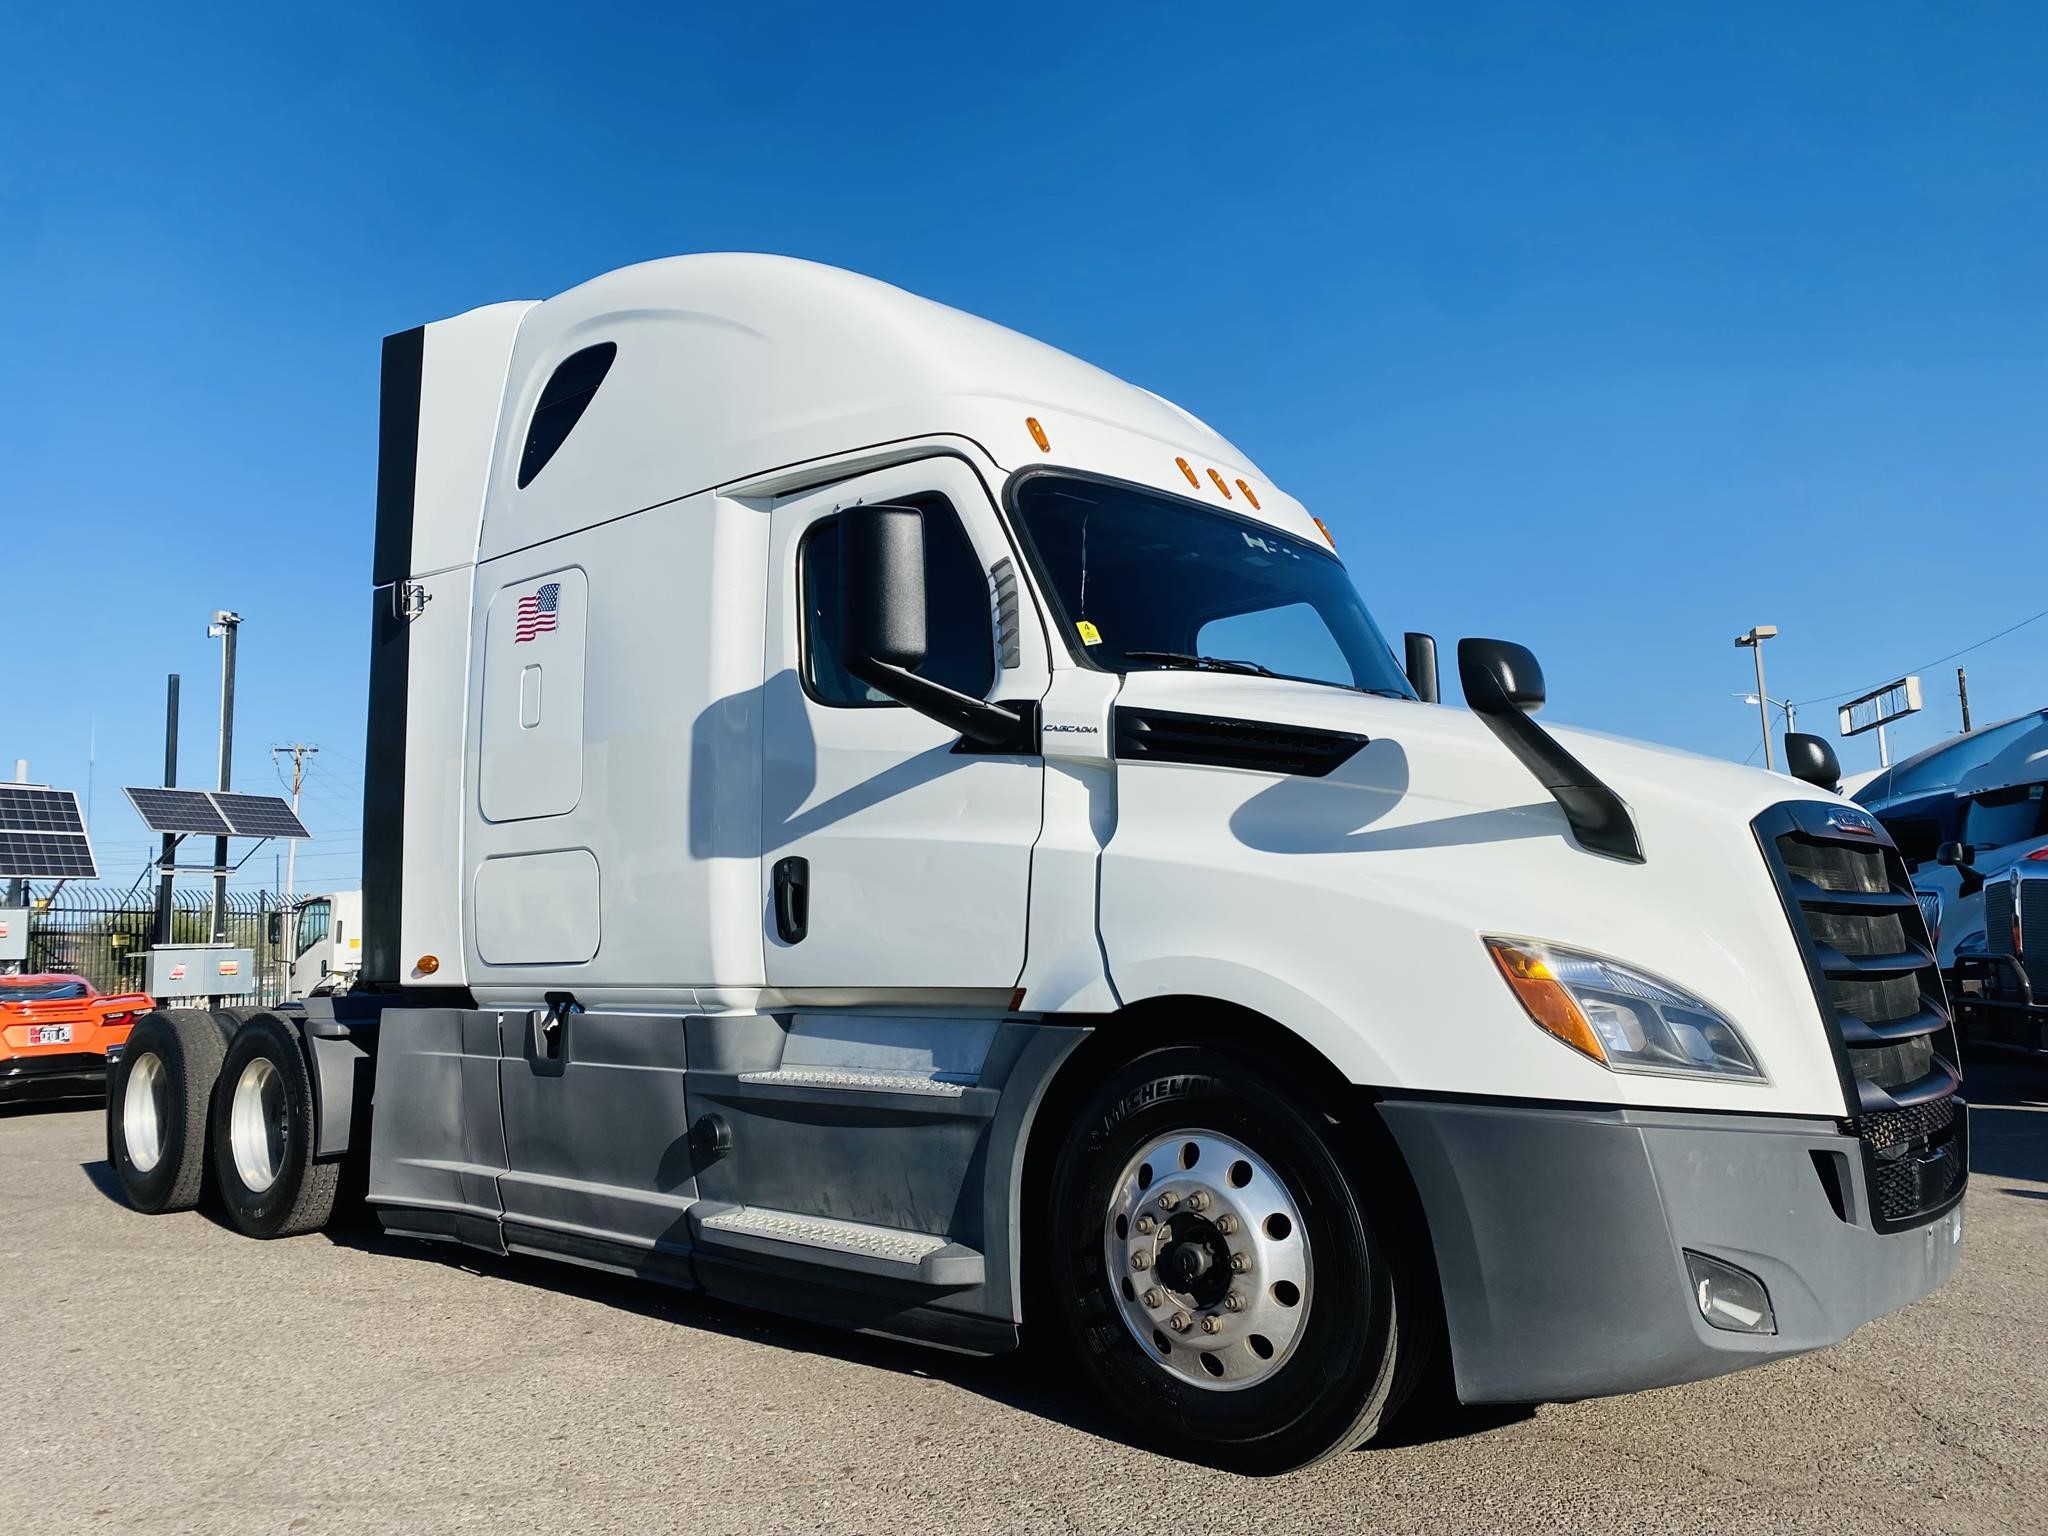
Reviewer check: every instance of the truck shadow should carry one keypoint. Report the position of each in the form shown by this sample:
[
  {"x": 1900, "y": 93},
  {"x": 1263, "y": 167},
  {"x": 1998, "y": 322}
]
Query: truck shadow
[
  {"x": 2008, "y": 1119},
  {"x": 1038, "y": 1379}
]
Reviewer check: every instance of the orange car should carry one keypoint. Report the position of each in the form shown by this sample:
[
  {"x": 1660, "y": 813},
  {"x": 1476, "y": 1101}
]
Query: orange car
[{"x": 54, "y": 1036}]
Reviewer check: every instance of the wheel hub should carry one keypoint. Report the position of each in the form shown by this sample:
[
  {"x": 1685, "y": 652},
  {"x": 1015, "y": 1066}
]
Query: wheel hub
[{"x": 1209, "y": 1259}]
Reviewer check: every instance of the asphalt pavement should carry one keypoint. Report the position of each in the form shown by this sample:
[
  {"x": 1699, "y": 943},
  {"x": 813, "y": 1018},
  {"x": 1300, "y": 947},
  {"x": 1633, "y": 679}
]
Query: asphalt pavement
[{"x": 164, "y": 1374}]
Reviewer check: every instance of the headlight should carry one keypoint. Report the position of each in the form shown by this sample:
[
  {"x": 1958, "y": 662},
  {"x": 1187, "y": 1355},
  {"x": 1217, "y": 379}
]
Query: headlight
[{"x": 1624, "y": 1019}]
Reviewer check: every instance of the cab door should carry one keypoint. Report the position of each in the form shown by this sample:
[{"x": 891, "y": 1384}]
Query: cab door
[{"x": 895, "y": 857}]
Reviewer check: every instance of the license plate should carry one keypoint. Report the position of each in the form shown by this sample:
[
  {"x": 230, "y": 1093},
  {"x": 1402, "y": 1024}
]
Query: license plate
[{"x": 49, "y": 1034}]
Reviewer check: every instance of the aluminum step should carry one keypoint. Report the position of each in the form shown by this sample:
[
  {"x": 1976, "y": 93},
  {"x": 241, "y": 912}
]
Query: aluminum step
[
  {"x": 828, "y": 1243},
  {"x": 857, "y": 1081}
]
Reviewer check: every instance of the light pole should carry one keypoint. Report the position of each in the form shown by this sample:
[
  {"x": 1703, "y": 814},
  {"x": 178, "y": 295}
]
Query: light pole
[
  {"x": 1791, "y": 710},
  {"x": 1755, "y": 639},
  {"x": 223, "y": 629}
]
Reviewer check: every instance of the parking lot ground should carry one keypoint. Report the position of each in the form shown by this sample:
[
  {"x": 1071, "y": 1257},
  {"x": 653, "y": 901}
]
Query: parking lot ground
[{"x": 165, "y": 1374}]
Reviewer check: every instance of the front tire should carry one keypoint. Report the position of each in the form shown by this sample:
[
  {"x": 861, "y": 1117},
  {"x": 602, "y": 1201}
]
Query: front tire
[
  {"x": 1213, "y": 1262},
  {"x": 263, "y": 1135},
  {"x": 158, "y": 1094}
]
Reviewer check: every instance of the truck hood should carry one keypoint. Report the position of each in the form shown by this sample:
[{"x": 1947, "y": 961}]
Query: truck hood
[{"x": 1432, "y": 834}]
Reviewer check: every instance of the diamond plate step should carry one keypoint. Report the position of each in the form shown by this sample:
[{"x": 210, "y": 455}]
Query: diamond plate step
[
  {"x": 860, "y": 1082},
  {"x": 828, "y": 1243}
]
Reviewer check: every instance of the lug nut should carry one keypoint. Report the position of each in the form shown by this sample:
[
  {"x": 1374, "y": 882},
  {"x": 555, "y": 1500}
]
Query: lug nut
[
  {"x": 1141, "y": 1260},
  {"x": 1227, "y": 1225},
  {"x": 1199, "y": 1200},
  {"x": 1212, "y": 1325},
  {"x": 1240, "y": 1263},
  {"x": 1168, "y": 1200},
  {"x": 1235, "y": 1302},
  {"x": 1180, "y": 1322},
  {"x": 1145, "y": 1223},
  {"x": 1154, "y": 1297}
]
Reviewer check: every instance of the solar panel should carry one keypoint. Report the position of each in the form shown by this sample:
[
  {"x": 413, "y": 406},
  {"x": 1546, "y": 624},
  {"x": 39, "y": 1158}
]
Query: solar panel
[
  {"x": 179, "y": 810},
  {"x": 259, "y": 816},
  {"x": 25, "y": 809},
  {"x": 46, "y": 856}
]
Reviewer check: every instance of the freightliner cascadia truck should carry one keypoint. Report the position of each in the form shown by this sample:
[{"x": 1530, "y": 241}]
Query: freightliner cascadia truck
[{"x": 871, "y": 817}]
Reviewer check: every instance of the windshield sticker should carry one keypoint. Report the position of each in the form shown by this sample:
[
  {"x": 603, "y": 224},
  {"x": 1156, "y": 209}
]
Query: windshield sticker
[{"x": 1089, "y": 634}]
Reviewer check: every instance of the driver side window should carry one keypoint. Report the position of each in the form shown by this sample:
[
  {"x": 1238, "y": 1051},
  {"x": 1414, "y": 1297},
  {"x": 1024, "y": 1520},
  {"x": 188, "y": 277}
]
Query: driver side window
[
  {"x": 959, "y": 634},
  {"x": 313, "y": 920}
]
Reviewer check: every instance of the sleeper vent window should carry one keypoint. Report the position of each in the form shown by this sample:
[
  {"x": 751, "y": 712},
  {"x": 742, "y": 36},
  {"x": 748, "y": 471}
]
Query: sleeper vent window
[{"x": 562, "y": 404}]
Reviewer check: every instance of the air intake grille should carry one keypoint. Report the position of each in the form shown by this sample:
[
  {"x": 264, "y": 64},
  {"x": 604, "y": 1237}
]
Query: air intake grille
[
  {"x": 2031, "y": 896},
  {"x": 1162, "y": 736},
  {"x": 1871, "y": 959}
]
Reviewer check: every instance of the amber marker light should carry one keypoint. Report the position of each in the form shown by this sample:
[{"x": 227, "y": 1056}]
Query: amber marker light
[
  {"x": 1544, "y": 998},
  {"x": 1248, "y": 496},
  {"x": 1188, "y": 470},
  {"x": 1038, "y": 434},
  {"x": 1219, "y": 484},
  {"x": 1321, "y": 527},
  {"x": 426, "y": 965}
]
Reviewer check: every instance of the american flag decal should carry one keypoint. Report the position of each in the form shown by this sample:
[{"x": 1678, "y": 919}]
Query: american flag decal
[{"x": 537, "y": 612}]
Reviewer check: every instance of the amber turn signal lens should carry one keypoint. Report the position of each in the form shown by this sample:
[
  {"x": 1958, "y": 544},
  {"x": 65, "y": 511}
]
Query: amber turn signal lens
[
  {"x": 426, "y": 965},
  {"x": 1038, "y": 434},
  {"x": 1544, "y": 998}
]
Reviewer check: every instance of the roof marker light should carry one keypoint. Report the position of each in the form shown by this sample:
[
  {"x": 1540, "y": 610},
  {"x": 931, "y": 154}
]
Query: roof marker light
[
  {"x": 1038, "y": 434},
  {"x": 1321, "y": 527},
  {"x": 1219, "y": 484},
  {"x": 1185, "y": 469},
  {"x": 1248, "y": 496}
]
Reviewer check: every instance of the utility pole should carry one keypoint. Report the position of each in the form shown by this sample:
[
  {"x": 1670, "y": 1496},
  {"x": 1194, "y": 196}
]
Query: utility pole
[
  {"x": 165, "y": 879},
  {"x": 300, "y": 752},
  {"x": 1755, "y": 639},
  {"x": 17, "y": 890},
  {"x": 1963, "y": 696},
  {"x": 223, "y": 629}
]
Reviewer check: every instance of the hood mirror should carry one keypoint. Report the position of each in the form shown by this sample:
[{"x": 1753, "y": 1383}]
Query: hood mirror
[
  {"x": 1421, "y": 665},
  {"x": 1810, "y": 758},
  {"x": 1504, "y": 686}
]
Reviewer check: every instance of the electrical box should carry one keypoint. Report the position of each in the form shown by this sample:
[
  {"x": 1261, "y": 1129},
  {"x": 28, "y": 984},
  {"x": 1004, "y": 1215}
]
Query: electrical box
[
  {"x": 200, "y": 970},
  {"x": 13, "y": 935}
]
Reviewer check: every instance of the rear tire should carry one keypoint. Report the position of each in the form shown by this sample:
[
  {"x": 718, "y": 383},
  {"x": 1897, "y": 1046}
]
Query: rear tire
[
  {"x": 263, "y": 1135},
  {"x": 158, "y": 1094},
  {"x": 1253, "y": 1324}
]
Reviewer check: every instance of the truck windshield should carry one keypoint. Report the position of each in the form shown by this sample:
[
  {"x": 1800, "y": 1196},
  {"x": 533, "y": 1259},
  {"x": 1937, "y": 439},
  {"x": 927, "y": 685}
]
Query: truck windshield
[{"x": 1147, "y": 581}]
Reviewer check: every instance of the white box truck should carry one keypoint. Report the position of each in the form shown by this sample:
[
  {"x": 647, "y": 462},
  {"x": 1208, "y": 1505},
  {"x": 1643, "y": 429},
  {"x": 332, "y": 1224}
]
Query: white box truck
[{"x": 872, "y": 817}]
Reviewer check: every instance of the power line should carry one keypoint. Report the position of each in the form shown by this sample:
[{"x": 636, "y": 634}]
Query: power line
[{"x": 1829, "y": 698}]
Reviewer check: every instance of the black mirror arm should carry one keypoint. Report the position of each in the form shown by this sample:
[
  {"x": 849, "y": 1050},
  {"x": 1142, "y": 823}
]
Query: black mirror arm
[
  {"x": 1598, "y": 816},
  {"x": 992, "y": 725}
]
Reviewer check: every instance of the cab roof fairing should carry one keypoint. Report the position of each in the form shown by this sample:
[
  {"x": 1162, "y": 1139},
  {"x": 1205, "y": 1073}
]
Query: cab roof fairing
[{"x": 731, "y": 366}]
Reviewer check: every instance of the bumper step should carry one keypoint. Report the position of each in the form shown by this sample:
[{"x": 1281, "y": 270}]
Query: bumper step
[{"x": 920, "y": 1258}]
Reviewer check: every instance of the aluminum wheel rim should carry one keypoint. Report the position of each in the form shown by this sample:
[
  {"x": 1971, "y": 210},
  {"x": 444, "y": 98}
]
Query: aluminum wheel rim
[
  {"x": 1195, "y": 1197},
  {"x": 256, "y": 1124},
  {"x": 143, "y": 1104}
]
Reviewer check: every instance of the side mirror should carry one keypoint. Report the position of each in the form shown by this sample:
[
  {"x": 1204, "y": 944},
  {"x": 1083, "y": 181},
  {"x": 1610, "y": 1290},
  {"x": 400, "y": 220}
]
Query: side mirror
[
  {"x": 881, "y": 587},
  {"x": 1421, "y": 664},
  {"x": 1957, "y": 855},
  {"x": 274, "y": 929},
  {"x": 882, "y": 641},
  {"x": 1498, "y": 674},
  {"x": 1810, "y": 758}
]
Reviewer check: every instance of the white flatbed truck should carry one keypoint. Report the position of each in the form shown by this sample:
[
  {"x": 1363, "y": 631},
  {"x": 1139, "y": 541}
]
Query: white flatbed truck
[{"x": 872, "y": 817}]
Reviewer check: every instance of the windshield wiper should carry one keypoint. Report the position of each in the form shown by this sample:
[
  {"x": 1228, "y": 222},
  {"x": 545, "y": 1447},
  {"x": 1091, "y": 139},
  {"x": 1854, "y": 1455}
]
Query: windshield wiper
[{"x": 1201, "y": 663}]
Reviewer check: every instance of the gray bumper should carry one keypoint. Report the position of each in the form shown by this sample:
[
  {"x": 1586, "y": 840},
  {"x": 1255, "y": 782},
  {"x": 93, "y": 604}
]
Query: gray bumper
[{"x": 1559, "y": 1237}]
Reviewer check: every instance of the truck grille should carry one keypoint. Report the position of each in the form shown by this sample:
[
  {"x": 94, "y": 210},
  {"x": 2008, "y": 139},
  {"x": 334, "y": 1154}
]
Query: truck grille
[
  {"x": 1871, "y": 960},
  {"x": 2026, "y": 940}
]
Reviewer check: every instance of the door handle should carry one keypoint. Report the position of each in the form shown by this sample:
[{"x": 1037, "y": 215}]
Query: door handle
[
  {"x": 547, "y": 1025},
  {"x": 792, "y": 899}
]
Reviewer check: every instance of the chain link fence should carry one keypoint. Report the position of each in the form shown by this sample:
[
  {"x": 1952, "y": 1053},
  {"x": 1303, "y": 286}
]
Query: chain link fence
[{"x": 102, "y": 933}]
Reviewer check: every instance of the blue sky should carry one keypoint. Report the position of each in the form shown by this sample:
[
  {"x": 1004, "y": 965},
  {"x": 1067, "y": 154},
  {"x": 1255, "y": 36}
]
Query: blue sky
[{"x": 1596, "y": 326}]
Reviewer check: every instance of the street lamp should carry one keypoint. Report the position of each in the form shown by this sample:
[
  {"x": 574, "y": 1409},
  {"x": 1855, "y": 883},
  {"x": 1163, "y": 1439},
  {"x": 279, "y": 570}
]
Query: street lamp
[
  {"x": 1755, "y": 639},
  {"x": 1791, "y": 710}
]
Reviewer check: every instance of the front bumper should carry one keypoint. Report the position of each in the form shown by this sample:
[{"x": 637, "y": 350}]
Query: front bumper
[
  {"x": 1560, "y": 1236},
  {"x": 72, "y": 1075}
]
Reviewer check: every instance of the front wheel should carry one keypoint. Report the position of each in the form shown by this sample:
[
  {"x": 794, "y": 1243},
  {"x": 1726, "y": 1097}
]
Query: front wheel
[{"x": 1216, "y": 1268}]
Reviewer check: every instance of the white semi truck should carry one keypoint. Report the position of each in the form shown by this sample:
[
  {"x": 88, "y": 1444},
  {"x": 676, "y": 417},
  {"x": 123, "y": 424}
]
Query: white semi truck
[{"x": 872, "y": 817}]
